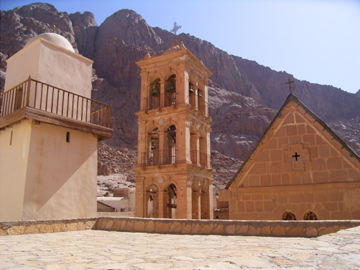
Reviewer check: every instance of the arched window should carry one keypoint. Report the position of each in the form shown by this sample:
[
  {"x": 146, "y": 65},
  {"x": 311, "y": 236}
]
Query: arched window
[
  {"x": 310, "y": 215},
  {"x": 170, "y": 91},
  {"x": 170, "y": 147},
  {"x": 152, "y": 202},
  {"x": 194, "y": 147},
  {"x": 170, "y": 201},
  {"x": 201, "y": 102},
  {"x": 154, "y": 101},
  {"x": 153, "y": 148},
  {"x": 289, "y": 216},
  {"x": 203, "y": 150},
  {"x": 191, "y": 95}
]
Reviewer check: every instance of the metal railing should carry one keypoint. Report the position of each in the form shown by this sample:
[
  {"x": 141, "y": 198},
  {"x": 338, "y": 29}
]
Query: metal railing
[
  {"x": 155, "y": 158},
  {"x": 201, "y": 107},
  {"x": 47, "y": 98},
  {"x": 161, "y": 101},
  {"x": 199, "y": 158}
]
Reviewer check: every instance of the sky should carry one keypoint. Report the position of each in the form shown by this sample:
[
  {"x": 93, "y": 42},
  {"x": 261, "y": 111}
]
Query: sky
[{"x": 313, "y": 40}]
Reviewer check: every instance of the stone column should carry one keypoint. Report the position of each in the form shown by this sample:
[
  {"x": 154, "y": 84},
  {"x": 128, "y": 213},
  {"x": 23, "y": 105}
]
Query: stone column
[
  {"x": 196, "y": 206},
  {"x": 139, "y": 197},
  {"x": 162, "y": 93},
  {"x": 161, "y": 203},
  {"x": 161, "y": 146}
]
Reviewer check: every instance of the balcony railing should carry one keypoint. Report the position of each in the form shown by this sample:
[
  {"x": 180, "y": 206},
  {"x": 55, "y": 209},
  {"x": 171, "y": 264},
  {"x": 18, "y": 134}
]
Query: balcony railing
[
  {"x": 156, "y": 158},
  {"x": 50, "y": 99},
  {"x": 199, "y": 158},
  {"x": 161, "y": 101},
  {"x": 201, "y": 108}
]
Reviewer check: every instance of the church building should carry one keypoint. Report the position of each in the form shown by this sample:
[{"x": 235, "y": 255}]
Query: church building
[
  {"x": 173, "y": 172},
  {"x": 299, "y": 170}
]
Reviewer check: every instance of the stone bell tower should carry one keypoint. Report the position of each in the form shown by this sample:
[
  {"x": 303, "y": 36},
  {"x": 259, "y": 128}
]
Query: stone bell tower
[{"x": 173, "y": 171}]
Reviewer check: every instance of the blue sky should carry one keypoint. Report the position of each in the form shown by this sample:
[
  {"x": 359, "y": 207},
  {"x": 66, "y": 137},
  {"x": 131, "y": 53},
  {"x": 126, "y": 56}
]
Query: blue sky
[{"x": 314, "y": 40}]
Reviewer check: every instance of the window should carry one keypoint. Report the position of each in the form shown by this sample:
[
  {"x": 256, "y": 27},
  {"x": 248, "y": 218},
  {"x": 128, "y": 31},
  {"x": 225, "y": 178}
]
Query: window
[
  {"x": 310, "y": 215},
  {"x": 155, "y": 94},
  {"x": 170, "y": 91},
  {"x": 170, "y": 149},
  {"x": 288, "y": 215},
  {"x": 153, "y": 152},
  {"x": 67, "y": 136}
]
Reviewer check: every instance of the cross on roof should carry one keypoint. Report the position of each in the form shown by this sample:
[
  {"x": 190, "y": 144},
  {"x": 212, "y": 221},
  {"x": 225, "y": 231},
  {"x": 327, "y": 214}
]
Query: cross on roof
[{"x": 291, "y": 87}]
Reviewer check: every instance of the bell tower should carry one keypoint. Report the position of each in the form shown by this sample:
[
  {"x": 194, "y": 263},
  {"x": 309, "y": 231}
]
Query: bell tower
[
  {"x": 49, "y": 132},
  {"x": 173, "y": 171}
]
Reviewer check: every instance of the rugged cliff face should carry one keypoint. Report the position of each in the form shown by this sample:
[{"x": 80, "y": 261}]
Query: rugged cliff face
[{"x": 244, "y": 96}]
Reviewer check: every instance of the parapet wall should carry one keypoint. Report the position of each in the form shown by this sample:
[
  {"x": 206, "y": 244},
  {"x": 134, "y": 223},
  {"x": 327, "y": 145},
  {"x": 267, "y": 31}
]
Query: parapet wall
[
  {"x": 182, "y": 226},
  {"x": 46, "y": 226},
  {"x": 225, "y": 227}
]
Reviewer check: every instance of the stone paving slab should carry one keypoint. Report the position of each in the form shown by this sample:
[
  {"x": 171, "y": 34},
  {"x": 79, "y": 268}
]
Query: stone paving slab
[{"x": 124, "y": 250}]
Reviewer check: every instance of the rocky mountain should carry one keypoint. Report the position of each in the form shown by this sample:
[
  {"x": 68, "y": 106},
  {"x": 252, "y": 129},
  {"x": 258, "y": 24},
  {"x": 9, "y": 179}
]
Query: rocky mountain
[{"x": 243, "y": 95}]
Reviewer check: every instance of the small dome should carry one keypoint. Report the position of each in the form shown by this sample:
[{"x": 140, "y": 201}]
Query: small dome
[{"x": 55, "y": 39}]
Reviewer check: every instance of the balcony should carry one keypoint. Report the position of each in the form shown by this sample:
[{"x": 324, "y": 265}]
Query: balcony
[
  {"x": 200, "y": 159},
  {"x": 39, "y": 101},
  {"x": 162, "y": 101},
  {"x": 157, "y": 158}
]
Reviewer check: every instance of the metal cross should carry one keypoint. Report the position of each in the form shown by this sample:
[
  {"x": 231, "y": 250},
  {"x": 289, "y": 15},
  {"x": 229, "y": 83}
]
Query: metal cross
[
  {"x": 175, "y": 28},
  {"x": 296, "y": 156},
  {"x": 291, "y": 87}
]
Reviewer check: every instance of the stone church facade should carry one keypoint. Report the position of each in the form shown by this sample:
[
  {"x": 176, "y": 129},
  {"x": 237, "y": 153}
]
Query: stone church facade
[{"x": 299, "y": 169}]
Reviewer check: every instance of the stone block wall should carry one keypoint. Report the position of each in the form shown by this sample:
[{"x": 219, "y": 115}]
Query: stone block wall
[
  {"x": 182, "y": 226},
  {"x": 48, "y": 226},
  {"x": 299, "y": 166},
  {"x": 337, "y": 201},
  {"x": 224, "y": 227}
]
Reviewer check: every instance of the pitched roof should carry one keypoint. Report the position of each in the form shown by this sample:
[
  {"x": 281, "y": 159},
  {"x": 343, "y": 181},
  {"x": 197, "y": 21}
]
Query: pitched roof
[{"x": 292, "y": 98}]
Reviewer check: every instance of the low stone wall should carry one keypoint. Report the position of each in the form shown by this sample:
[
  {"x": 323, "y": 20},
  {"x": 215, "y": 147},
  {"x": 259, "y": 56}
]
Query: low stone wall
[
  {"x": 116, "y": 214},
  {"x": 225, "y": 227},
  {"x": 47, "y": 226},
  {"x": 182, "y": 226}
]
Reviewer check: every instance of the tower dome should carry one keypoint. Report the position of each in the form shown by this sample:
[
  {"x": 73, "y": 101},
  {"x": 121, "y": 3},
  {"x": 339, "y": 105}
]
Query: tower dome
[{"x": 56, "y": 39}]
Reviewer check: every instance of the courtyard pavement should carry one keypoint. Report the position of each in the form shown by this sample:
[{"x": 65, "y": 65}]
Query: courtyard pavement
[{"x": 122, "y": 250}]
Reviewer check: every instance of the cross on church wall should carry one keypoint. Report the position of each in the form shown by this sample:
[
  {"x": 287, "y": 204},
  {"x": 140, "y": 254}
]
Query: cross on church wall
[{"x": 297, "y": 155}]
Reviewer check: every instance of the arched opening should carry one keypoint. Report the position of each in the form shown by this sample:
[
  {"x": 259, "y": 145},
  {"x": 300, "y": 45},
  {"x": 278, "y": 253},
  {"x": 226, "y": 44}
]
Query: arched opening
[
  {"x": 170, "y": 201},
  {"x": 153, "y": 148},
  {"x": 170, "y": 145},
  {"x": 288, "y": 215},
  {"x": 152, "y": 202},
  {"x": 154, "y": 101},
  {"x": 201, "y": 102},
  {"x": 170, "y": 91},
  {"x": 205, "y": 199},
  {"x": 194, "y": 146},
  {"x": 203, "y": 150},
  {"x": 310, "y": 215},
  {"x": 191, "y": 95},
  {"x": 196, "y": 200}
]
